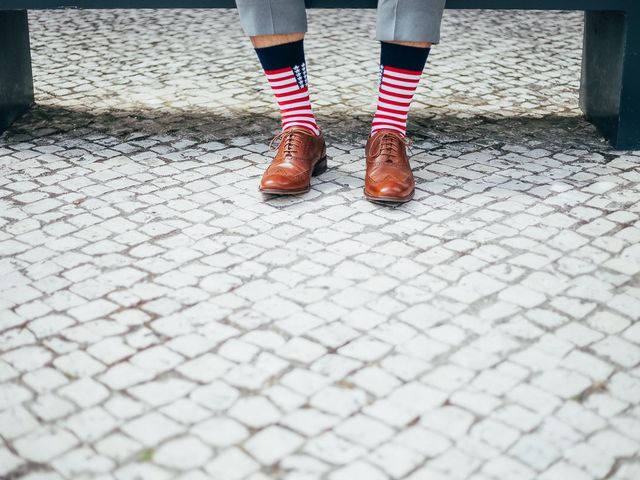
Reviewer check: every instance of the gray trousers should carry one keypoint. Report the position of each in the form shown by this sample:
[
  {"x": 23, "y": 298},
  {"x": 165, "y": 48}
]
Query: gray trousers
[{"x": 405, "y": 20}]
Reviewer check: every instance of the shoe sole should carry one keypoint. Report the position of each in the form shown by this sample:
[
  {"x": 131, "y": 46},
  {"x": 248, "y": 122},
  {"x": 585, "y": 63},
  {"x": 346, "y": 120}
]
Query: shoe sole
[
  {"x": 319, "y": 168},
  {"x": 389, "y": 200}
]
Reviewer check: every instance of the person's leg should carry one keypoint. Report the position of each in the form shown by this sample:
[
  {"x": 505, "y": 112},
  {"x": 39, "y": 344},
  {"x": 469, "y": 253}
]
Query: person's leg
[
  {"x": 400, "y": 71},
  {"x": 406, "y": 30},
  {"x": 264, "y": 41},
  {"x": 276, "y": 29}
]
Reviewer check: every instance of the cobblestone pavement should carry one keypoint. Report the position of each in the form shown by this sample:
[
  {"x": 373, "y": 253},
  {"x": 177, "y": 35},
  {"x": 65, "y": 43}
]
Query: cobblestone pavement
[{"x": 160, "y": 319}]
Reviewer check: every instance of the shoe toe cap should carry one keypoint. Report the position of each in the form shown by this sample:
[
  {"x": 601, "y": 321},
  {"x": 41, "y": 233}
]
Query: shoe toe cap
[
  {"x": 394, "y": 189},
  {"x": 390, "y": 188},
  {"x": 280, "y": 182}
]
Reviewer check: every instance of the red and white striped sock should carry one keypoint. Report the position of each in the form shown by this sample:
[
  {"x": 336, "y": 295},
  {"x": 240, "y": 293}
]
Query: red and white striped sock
[
  {"x": 401, "y": 67},
  {"x": 291, "y": 90},
  {"x": 286, "y": 71},
  {"x": 395, "y": 93}
]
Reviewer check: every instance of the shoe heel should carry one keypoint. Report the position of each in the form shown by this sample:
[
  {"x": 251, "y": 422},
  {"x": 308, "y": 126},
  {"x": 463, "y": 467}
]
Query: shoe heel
[{"x": 320, "y": 167}]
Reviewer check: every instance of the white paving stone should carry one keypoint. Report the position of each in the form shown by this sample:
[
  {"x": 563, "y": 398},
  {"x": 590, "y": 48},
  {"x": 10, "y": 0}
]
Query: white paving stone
[
  {"x": 44, "y": 444},
  {"x": 232, "y": 464},
  {"x": 272, "y": 444},
  {"x": 184, "y": 453}
]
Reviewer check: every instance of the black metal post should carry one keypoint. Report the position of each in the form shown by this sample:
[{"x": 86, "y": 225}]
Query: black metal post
[
  {"x": 16, "y": 82},
  {"x": 610, "y": 86}
]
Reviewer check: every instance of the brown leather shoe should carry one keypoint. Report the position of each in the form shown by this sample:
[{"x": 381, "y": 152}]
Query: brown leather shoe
[
  {"x": 300, "y": 156},
  {"x": 389, "y": 178}
]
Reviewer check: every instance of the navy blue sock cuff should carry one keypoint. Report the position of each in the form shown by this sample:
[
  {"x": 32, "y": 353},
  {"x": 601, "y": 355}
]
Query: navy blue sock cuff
[
  {"x": 402, "y": 56},
  {"x": 281, "y": 56}
]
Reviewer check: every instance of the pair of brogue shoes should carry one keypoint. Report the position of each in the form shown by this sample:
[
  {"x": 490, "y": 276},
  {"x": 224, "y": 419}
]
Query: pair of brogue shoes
[{"x": 302, "y": 155}]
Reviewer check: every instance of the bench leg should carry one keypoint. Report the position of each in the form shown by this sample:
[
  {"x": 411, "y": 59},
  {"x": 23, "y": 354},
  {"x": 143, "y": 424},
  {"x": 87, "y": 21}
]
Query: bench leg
[
  {"x": 16, "y": 82},
  {"x": 610, "y": 86}
]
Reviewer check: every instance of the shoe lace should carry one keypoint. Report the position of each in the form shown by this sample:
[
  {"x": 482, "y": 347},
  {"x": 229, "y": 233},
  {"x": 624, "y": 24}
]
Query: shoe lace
[
  {"x": 289, "y": 140},
  {"x": 389, "y": 146}
]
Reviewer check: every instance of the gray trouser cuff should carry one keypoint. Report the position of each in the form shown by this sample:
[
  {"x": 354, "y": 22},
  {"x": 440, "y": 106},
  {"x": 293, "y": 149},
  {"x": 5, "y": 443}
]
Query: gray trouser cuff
[
  {"x": 403, "y": 20},
  {"x": 269, "y": 17},
  {"x": 409, "y": 20}
]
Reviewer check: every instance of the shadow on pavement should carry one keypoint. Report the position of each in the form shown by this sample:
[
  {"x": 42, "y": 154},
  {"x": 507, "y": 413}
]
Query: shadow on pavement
[{"x": 439, "y": 130}]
